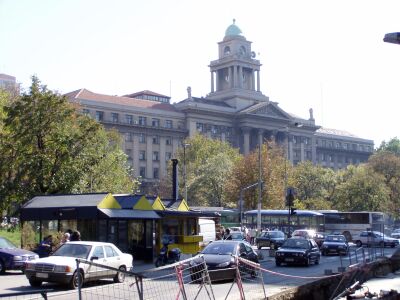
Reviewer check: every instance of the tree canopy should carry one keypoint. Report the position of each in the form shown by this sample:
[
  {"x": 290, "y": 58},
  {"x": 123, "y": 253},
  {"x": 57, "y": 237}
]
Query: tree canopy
[{"x": 49, "y": 148}]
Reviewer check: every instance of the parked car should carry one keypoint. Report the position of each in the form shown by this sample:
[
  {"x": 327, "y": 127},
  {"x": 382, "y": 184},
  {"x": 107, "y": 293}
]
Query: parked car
[
  {"x": 220, "y": 261},
  {"x": 298, "y": 250},
  {"x": 376, "y": 238},
  {"x": 12, "y": 257},
  {"x": 60, "y": 267},
  {"x": 396, "y": 234},
  {"x": 334, "y": 244},
  {"x": 272, "y": 239}
]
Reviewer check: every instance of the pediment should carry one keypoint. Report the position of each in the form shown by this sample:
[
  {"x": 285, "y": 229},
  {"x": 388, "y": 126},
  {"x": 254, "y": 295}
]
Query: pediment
[{"x": 269, "y": 109}]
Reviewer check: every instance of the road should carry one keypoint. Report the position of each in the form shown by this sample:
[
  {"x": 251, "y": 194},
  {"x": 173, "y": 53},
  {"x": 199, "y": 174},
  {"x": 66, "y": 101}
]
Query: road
[{"x": 275, "y": 280}]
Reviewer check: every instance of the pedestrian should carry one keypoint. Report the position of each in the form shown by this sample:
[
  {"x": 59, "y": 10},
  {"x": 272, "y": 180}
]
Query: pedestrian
[
  {"x": 76, "y": 236},
  {"x": 45, "y": 246},
  {"x": 228, "y": 235},
  {"x": 65, "y": 238}
]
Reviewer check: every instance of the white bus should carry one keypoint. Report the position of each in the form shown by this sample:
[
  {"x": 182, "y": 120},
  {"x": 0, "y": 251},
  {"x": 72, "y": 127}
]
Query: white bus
[{"x": 350, "y": 224}]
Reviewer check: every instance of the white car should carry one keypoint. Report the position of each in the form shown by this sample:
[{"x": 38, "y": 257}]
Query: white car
[
  {"x": 396, "y": 234},
  {"x": 60, "y": 267}
]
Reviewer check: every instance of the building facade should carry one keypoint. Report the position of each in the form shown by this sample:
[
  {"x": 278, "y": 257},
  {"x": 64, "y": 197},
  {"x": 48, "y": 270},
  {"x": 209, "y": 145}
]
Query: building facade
[{"x": 235, "y": 111}]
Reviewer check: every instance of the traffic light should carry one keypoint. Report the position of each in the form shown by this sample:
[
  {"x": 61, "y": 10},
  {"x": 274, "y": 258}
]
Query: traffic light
[{"x": 293, "y": 210}]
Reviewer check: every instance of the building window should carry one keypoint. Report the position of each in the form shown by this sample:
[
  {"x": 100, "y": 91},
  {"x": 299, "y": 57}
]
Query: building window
[
  {"x": 354, "y": 146},
  {"x": 128, "y": 137},
  {"x": 129, "y": 119},
  {"x": 200, "y": 127},
  {"x": 129, "y": 153},
  {"x": 168, "y": 140},
  {"x": 308, "y": 154},
  {"x": 156, "y": 139},
  {"x": 142, "y": 155},
  {"x": 168, "y": 156},
  {"x": 168, "y": 123},
  {"x": 323, "y": 143},
  {"x": 155, "y": 122},
  {"x": 142, "y": 138},
  {"x": 142, "y": 121},
  {"x": 338, "y": 145},
  {"x": 155, "y": 156},
  {"x": 307, "y": 141},
  {"x": 142, "y": 172},
  {"x": 85, "y": 111},
  {"x": 99, "y": 116},
  {"x": 114, "y": 117},
  {"x": 214, "y": 129},
  {"x": 155, "y": 173},
  {"x": 330, "y": 145}
]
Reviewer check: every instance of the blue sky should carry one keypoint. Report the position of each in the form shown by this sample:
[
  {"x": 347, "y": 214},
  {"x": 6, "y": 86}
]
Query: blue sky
[{"x": 325, "y": 55}]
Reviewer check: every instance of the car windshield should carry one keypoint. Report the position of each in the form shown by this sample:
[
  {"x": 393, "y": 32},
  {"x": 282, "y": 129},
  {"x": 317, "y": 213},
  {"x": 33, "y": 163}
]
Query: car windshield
[
  {"x": 73, "y": 250},
  {"x": 335, "y": 238},
  {"x": 276, "y": 234},
  {"x": 4, "y": 243},
  {"x": 296, "y": 243},
  {"x": 237, "y": 236},
  {"x": 220, "y": 249}
]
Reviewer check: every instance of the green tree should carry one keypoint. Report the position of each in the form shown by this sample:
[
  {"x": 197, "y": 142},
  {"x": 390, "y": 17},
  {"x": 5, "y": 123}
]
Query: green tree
[
  {"x": 314, "y": 185},
  {"x": 246, "y": 172},
  {"x": 361, "y": 188},
  {"x": 387, "y": 163},
  {"x": 392, "y": 146},
  {"x": 208, "y": 165},
  {"x": 48, "y": 147}
]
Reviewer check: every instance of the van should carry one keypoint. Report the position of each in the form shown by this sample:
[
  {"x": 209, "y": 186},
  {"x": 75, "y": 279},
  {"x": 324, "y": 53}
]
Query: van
[{"x": 207, "y": 231}]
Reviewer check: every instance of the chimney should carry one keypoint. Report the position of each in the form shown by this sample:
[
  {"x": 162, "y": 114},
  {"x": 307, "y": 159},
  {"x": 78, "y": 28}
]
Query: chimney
[{"x": 175, "y": 179}]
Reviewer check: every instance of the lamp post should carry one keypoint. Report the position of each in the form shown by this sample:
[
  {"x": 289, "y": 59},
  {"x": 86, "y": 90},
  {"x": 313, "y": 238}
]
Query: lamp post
[
  {"x": 184, "y": 169},
  {"x": 259, "y": 190}
]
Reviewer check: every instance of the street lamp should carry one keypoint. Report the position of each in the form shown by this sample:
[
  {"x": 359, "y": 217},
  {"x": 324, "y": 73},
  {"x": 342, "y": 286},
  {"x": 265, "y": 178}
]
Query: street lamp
[
  {"x": 393, "y": 38},
  {"x": 184, "y": 169}
]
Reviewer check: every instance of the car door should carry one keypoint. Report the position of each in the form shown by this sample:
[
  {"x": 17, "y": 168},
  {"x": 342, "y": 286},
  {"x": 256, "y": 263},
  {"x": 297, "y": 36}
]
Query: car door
[
  {"x": 113, "y": 259},
  {"x": 251, "y": 255},
  {"x": 314, "y": 250},
  {"x": 98, "y": 257}
]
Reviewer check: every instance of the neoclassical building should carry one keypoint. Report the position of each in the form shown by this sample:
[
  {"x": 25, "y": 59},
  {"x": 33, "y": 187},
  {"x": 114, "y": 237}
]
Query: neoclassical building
[{"x": 235, "y": 111}]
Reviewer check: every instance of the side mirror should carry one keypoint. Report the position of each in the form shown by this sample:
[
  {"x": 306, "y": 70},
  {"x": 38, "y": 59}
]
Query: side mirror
[{"x": 94, "y": 258}]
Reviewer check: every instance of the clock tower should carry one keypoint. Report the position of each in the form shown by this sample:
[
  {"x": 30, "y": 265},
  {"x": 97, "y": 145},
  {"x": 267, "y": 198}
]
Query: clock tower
[{"x": 235, "y": 75}]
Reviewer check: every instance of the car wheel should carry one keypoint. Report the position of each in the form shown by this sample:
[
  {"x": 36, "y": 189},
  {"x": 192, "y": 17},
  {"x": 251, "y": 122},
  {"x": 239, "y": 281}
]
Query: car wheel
[
  {"x": 358, "y": 244},
  {"x": 76, "y": 280},
  {"x": 120, "y": 276},
  {"x": 2, "y": 267},
  {"x": 35, "y": 282}
]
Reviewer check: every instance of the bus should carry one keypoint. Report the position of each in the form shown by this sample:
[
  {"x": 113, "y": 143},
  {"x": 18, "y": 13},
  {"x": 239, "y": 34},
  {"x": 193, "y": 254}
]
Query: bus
[
  {"x": 351, "y": 224},
  {"x": 230, "y": 218},
  {"x": 278, "y": 219}
]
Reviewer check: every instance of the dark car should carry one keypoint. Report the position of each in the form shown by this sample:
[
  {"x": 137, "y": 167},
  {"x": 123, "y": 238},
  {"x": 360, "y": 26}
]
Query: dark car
[
  {"x": 220, "y": 260},
  {"x": 12, "y": 257},
  {"x": 298, "y": 250},
  {"x": 335, "y": 244},
  {"x": 272, "y": 239}
]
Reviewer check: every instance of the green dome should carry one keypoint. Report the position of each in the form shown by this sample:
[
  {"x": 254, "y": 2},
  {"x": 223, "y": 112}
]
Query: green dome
[{"x": 233, "y": 30}]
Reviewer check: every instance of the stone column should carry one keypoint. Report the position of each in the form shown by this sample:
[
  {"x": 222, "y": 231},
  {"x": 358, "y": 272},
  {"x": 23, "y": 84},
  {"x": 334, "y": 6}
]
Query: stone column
[
  {"x": 230, "y": 77},
  {"x": 258, "y": 80},
  {"x": 212, "y": 81},
  {"x": 246, "y": 140},
  {"x": 313, "y": 150},
  {"x": 163, "y": 169},
  {"x": 191, "y": 125},
  {"x": 149, "y": 156},
  {"x": 135, "y": 154},
  {"x": 260, "y": 136},
  {"x": 253, "y": 81},
  {"x": 235, "y": 77},
  {"x": 302, "y": 152},
  {"x": 240, "y": 85}
]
